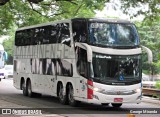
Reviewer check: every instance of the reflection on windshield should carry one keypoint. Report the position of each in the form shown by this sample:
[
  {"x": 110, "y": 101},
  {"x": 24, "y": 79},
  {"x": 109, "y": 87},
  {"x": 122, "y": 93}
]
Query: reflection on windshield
[
  {"x": 113, "y": 34},
  {"x": 117, "y": 68}
]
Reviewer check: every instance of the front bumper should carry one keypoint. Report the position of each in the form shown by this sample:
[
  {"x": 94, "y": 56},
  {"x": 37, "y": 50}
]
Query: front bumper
[{"x": 99, "y": 98}]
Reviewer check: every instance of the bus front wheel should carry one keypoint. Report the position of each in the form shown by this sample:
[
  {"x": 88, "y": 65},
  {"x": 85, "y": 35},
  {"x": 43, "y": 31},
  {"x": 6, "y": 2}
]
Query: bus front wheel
[{"x": 116, "y": 105}]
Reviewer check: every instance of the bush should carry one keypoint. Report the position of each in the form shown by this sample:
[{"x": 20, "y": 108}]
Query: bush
[{"x": 153, "y": 68}]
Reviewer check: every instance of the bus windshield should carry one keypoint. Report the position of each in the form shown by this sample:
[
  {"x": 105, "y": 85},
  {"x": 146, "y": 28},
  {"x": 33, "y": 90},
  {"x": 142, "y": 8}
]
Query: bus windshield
[
  {"x": 115, "y": 68},
  {"x": 113, "y": 34}
]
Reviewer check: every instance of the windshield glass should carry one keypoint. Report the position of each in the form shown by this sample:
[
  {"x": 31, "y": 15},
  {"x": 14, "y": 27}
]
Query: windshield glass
[
  {"x": 116, "y": 68},
  {"x": 113, "y": 34}
]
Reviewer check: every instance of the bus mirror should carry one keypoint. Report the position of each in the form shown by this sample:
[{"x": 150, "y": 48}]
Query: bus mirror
[{"x": 149, "y": 53}]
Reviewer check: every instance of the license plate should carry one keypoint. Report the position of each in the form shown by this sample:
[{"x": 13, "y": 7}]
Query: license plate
[{"x": 118, "y": 99}]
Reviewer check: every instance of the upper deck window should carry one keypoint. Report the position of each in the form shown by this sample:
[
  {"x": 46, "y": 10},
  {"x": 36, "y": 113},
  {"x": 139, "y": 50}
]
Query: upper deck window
[{"x": 113, "y": 34}]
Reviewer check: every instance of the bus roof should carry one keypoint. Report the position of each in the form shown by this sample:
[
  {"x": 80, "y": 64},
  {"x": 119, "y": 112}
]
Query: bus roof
[
  {"x": 103, "y": 20},
  {"x": 74, "y": 19}
]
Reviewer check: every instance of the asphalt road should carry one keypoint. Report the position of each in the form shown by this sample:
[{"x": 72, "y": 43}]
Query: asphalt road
[{"x": 50, "y": 106}]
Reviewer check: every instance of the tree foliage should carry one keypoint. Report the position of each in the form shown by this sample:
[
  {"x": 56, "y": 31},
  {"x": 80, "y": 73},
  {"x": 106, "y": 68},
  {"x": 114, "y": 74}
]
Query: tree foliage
[
  {"x": 150, "y": 37},
  {"x": 29, "y": 12},
  {"x": 9, "y": 45}
]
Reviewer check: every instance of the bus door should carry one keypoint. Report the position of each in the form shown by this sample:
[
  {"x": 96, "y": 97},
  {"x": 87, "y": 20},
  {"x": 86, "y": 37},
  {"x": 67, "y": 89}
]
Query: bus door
[{"x": 82, "y": 70}]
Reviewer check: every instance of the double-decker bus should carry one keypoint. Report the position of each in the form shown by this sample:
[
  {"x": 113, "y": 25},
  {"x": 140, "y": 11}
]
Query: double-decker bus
[{"x": 80, "y": 60}]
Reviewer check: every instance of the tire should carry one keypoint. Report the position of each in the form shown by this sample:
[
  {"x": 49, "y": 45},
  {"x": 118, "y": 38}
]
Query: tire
[
  {"x": 24, "y": 89},
  {"x": 116, "y": 105},
  {"x": 71, "y": 99},
  {"x": 61, "y": 96},
  {"x": 29, "y": 89}
]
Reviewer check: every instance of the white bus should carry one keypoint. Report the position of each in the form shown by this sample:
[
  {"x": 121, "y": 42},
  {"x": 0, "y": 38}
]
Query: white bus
[{"x": 80, "y": 60}]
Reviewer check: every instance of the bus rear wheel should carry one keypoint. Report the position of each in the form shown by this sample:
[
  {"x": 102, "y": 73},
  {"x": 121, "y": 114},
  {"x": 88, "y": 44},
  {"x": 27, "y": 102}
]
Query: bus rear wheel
[
  {"x": 24, "y": 89},
  {"x": 116, "y": 105},
  {"x": 29, "y": 89},
  {"x": 61, "y": 95},
  {"x": 71, "y": 99}
]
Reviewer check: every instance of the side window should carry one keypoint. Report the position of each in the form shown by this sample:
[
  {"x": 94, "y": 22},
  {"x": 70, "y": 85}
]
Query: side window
[
  {"x": 18, "y": 38},
  {"x": 50, "y": 67},
  {"x": 64, "y": 68},
  {"x": 82, "y": 62},
  {"x": 79, "y": 31},
  {"x": 53, "y": 33},
  {"x": 29, "y": 36},
  {"x": 46, "y": 34},
  {"x": 64, "y": 34},
  {"x": 36, "y": 36}
]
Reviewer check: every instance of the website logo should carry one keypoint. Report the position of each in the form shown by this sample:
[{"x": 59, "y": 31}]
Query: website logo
[{"x": 6, "y": 111}]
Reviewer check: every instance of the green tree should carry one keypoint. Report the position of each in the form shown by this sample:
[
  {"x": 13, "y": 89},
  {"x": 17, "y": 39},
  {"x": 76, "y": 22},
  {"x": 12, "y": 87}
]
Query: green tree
[
  {"x": 29, "y": 12},
  {"x": 8, "y": 45},
  {"x": 150, "y": 37}
]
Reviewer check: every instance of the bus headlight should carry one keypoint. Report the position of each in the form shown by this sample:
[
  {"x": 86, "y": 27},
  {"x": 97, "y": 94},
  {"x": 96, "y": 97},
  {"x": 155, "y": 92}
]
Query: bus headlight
[
  {"x": 98, "y": 89},
  {"x": 95, "y": 89},
  {"x": 138, "y": 90}
]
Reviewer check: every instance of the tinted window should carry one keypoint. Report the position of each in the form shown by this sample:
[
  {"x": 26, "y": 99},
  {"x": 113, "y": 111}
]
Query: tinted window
[
  {"x": 51, "y": 67},
  {"x": 56, "y": 33},
  {"x": 64, "y": 68},
  {"x": 64, "y": 34},
  {"x": 113, "y": 34},
  {"x": 79, "y": 31}
]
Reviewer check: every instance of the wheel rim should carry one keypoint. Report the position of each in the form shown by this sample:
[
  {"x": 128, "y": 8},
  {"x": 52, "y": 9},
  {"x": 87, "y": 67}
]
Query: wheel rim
[{"x": 70, "y": 94}]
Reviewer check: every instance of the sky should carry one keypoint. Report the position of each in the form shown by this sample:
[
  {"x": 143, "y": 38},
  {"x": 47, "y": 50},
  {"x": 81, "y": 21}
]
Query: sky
[{"x": 113, "y": 9}]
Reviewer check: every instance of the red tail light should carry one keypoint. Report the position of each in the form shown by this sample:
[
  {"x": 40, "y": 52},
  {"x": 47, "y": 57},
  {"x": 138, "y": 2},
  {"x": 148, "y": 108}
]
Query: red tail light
[{"x": 90, "y": 89}]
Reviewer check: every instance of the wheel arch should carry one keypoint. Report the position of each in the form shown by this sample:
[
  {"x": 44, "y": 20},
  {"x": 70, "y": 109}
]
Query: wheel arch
[
  {"x": 22, "y": 80},
  {"x": 28, "y": 79},
  {"x": 58, "y": 84}
]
